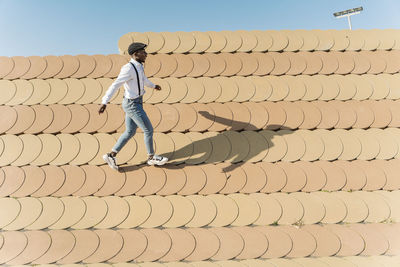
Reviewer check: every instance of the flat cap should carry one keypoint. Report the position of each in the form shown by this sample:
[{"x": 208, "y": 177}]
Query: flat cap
[{"x": 133, "y": 47}]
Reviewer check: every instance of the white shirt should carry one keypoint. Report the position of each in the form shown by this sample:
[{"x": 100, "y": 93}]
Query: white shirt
[{"x": 127, "y": 77}]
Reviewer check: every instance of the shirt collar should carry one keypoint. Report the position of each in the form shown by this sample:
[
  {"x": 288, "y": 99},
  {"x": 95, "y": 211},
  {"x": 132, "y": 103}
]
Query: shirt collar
[{"x": 135, "y": 62}]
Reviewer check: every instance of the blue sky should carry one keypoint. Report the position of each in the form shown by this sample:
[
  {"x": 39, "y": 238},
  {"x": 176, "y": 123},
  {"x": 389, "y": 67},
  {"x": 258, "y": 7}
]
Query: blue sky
[{"x": 58, "y": 27}]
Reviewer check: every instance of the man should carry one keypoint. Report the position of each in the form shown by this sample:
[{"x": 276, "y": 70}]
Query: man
[{"x": 133, "y": 78}]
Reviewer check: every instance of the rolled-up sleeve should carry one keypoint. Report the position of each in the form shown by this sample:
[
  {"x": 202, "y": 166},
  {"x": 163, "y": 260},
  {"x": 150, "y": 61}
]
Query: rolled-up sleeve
[{"x": 124, "y": 76}]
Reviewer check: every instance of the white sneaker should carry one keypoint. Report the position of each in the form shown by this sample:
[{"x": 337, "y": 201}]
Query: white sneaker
[
  {"x": 157, "y": 160},
  {"x": 110, "y": 160}
]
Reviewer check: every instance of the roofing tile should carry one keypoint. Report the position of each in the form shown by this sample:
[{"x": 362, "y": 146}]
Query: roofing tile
[
  {"x": 158, "y": 245},
  {"x": 74, "y": 210},
  {"x": 96, "y": 211},
  {"x": 207, "y": 244},
  {"x": 183, "y": 244},
  {"x": 205, "y": 211},
  {"x": 118, "y": 210},
  {"x": 31, "y": 208},
  {"x": 53, "y": 209}
]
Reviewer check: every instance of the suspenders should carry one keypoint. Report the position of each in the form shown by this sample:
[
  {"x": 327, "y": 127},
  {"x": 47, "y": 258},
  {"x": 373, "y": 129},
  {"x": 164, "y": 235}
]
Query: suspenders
[{"x": 137, "y": 78}]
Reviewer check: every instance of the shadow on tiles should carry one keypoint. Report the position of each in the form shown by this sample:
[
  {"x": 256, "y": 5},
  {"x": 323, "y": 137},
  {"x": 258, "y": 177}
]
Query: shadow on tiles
[{"x": 237, "y": 154}]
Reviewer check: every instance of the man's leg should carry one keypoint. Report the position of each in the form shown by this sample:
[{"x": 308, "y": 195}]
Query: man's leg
[{"x": 130, "y": 130}]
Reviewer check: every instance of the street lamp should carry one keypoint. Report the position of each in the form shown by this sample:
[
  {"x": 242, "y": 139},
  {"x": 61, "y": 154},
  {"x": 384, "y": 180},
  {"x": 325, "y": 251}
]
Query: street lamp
[{"x": 347, "y": 13}]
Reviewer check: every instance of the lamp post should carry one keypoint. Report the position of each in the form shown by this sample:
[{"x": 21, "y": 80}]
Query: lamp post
[{"x": 347, "y": 13}]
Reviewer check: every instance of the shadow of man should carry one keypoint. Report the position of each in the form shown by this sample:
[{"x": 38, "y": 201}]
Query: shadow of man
[{"x": 234, "y": 147}]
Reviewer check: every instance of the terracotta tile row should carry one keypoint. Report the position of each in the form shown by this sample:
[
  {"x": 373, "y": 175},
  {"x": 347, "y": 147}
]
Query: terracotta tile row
[
  {"x": 272, "y": 63},
  {"x": 200, "y": 244},
  {"x": 208, "y": 179},
  {"x": 200, "y": 117},
  {"x": 208, "y": 147},
  {"x": 207, "y": 90},
  {"x": 80, "y": 66},
  {"x": 351, "y": 261},
  {"x": 206, "y": 65},
  {"x": 262, "y": 41},
  {"x": 214, "y": 210}
]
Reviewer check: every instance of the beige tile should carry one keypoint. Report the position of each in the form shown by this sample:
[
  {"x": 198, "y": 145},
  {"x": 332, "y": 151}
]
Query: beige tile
[
  {"x": 279, "y": 242},
  {"x": 276, "y": 177},
  {"x": 241, "y": 116},
  {"x": 365, "y": 88},
  {"x": 34, "y": 179},
  {"x": 25, "y": 118},
  {"x": 382, "y": 113},
  {"x": 13, "y": 147},
  {"x": 135, "y": 243},
  {"x": 378, "y": 63},
  {"x": 314, "y": 63},
  {"x": 282, "y": 63},
  {"x": 31, "y": 209},
  {"x": 143, "y": 210},
  {"x": 14, "y": 244},
  {"x": 176, "y": 180},
  {"x": 246, "y": 87},
  {"x": 10, "y": 209},
  {"x": 87, "y": 65},
  {"x": 201, "y": 65},
  {"x": 375, "y": 242},
  {"x": 314, "y": 88},
  {"x": 53, "y": 209},
  {"x": 258, "y": 116},
  {"x": 75, "y": 178},
  {"x": 179, "y": 90},
  {"x": 356, "y": 40},
  {"x": 212, "y": 90},
  {"x": 227, "y": 236},
  {"x": 182, "y": 246},
  {"x": 265, "y": 64},
  {"x": 335, "y": 209},
  {"x": 332, "y": 143},
  {"x": 328, "y": 244},
  {"x": 379, "y": 209},
  {"x": 103, "y": 65},
  {"x": 54, "y": 65},
  {"x": 256, "y": 178},
  {"x": 326, "y": 40},
  {"x": 216, "y": 179},
  {"x": 161, "y": 211},
  {"x": 276, "y": 115},
  {"x": 156, "y": 42},
  {"x": 59, "y": 90},
  {"x": 62, "y": 243},
  {"x": 218, "y": 42},
  {"x": 249, "y": 63},
  {"x": 217, "y": 65},
  {"x": 8, "y": 119},
  {"x": 88, "y": 150},
  {"x": 62, "y": 116},
  {"x": 310, "y": 40},
  {"x": 111, "y": 242},
  {"x": 255, "y": 243},
  {"x": 297, "y": 88},
  {"x": 361, "y": 63},
  {"x": 314, "y": 210},
  {"x": 380, "y": 85},
  {"x": 294, "y": 115},
  {"x": 296, "y": 177},
  {"x": 304, "y": 244},
  {"x": 74, "y": 210},
  {"x": 227, "y": 210},
  {"x": 233, "y": 64},
  {"x": 346, "y": 63},
  {"x": 277, "y": 146},
  {"x": 229, "y": 87},
  {"x": 69, "y": 67},
  {"x": 233, "y": 41},
  {"x": 249, "y": 210},
  {"x": 70, "y": 147},
  {"x": 351, "y": 145},
  {"x": 96, "y": 211},
  {"x": 207, "y": 244},
  {"x": 356, "y": 177},
  {"x": 86, "y": 243},
  {"x": 183, "y": 147},
  {"x": 280, "y": 88},
  {"x": 187, "y": 42},
  {"x": 365, "y": 114},
  {"x": 347, "y": 87},
  {"x": 7, "y": 65},
  {"x": 205, "y": 211},
  {"x": 292, "y": 209},
  {"x": 118, "y": 210},
  {"x": 79, "y": 118},
  {"x": 370, "y": 144},
  {"x": 51, "y": 147},
  {"x": 113, "y": 183},
  {"x": 270, "y": 209},
  {"x": 298, "y": 63},
  {"x": 357, "y": 209},
  {"x": 21, "y": 66},
  {"x": 32, "y": 148},
  {"x": 159, "y": 243},
  {"x": 196, "y": 179},
  {"x": 329, "y": 62},
  {"x": 153, "y": 65},
  {"x": 183, "y": 211},
  {"x": 38, "y": 243},
  {"x": 195, "y": 90},
  {"x": 23, "y": 93},
  {"x": 279, "y": 40}
]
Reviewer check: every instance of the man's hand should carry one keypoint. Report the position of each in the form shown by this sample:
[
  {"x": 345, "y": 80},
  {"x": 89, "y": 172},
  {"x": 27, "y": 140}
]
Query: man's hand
[
  {"x": 102, "y": 108},
  {"x": 157, "y": 87}
]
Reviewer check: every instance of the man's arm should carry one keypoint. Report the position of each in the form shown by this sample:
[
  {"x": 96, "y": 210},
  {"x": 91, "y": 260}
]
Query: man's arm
[{"x": 124, "y": 76}]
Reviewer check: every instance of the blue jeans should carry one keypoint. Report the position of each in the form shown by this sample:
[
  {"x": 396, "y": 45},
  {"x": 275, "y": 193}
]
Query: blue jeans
[{"x": 134, "y": 117}]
